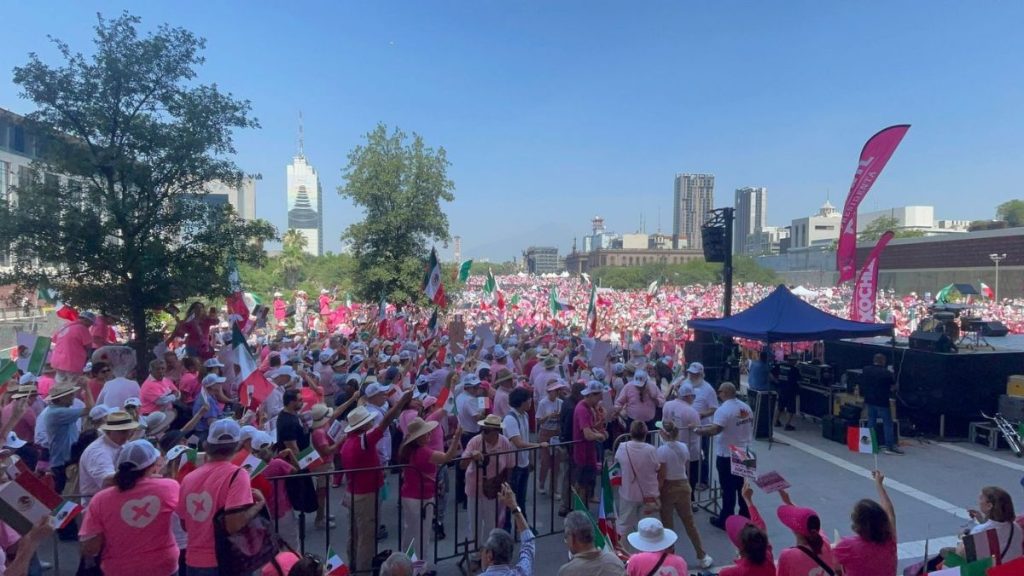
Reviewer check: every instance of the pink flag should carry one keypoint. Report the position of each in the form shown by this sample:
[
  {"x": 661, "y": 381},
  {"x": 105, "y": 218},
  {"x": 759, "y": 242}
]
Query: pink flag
[
  {"x": 873, "y": 157},
  {"x": 862, "y": 306}
]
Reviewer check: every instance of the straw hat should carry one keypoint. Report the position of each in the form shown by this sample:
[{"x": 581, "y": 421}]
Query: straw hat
[
  {"x": 321, "y": 415},
  {"x": 358, "y": 417},
  {"x": 119, "y": 420},
  {"x": 418, "y": 427},
  {"x": 61, "y": 390},
  {"x": 24, "y": 391},
  {"x": 492, "y": 421}
]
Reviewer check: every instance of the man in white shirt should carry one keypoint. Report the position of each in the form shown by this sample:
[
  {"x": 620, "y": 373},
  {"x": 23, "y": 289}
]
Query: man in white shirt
[
  {"x": 469, "y": 411},
  {"x": 376, "y": 397},
  {"x": 516, "y": 427},
  {"x": 734, "y": 423},
  {"x": 96, "y": 466},
  {"x": 116, "y": 390},
  {"x": 705, "y": 402}
]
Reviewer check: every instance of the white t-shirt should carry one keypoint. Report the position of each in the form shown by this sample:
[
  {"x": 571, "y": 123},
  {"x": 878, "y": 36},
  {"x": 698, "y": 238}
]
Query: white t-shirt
[
  {"x": 675, "y": 456},
  {"x": 1003, "y": 532},
  {"x": 737, "y": 422},
  {"x": 96, "y": 464},
  {"x": 116, "y": 391},
  {"x": 684, "y": 417},
  {"x": 547, "y": 407},
  {"x": 705, "y": 397},
  {"x": 517, "y": 424},
  {"x": 468, "y": 409}
]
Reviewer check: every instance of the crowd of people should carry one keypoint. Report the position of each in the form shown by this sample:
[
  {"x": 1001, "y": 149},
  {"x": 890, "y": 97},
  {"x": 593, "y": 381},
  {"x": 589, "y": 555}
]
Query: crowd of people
[{"x": 465, "y": 410}]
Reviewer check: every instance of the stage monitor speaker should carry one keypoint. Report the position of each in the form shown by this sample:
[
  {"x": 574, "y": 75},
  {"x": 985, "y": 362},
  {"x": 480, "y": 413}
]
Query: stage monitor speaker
[
  {"x": 713, "y": 240},
  {"x": 931, "y": 341},
  {"x": 710, "y": 355},
  {"x": 994, "y": 328}
]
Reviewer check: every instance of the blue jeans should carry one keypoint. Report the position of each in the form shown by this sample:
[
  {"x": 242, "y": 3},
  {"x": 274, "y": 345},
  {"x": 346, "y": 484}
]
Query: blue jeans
[
  {"x": 874, "y": 412},
  {"x": 519, "y": 481}
]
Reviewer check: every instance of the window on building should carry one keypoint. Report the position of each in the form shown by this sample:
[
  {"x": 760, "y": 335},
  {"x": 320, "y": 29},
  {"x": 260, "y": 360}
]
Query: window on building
[
  {"x": 5, "y": 169},
  {"x": 823, "y": 227},
  {"x": 17, "y": 138}
]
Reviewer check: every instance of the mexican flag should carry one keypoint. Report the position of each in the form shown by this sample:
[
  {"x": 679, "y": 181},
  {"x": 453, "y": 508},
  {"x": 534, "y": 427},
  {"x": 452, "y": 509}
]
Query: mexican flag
[
  {"x": 555, "y": 303},
  {"x": 862, "y": 440},
  {"x": 490, "y": 285},
  {"x": 335, "y": 565},
  {"x": 253, "y": 386},
  {"x": 238, "y": 309},
  {"x": 464, "y": 269},
  {"x": 987, "y": 291},
  {"x": 309, "y": 458},
  {"x": 580, "y": 506},
  {"x": 606, "y": 510},
  {"x": 592, "y": 311},
  {"x": 52, "y": 297},
  {"x": 417, "y": 564},
  {"x": 652, "y": 291},
  {"x": 943, "y": 295},
  {"x": 432, "y": 324},
  {"x": 515, "y": 299},
  {"x": 252, "y": 464},
  {"x": 26, "y": 499},
  {"x": 432, "y": 285}
]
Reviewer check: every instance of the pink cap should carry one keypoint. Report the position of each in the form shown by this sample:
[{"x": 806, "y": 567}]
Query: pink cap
[
  {"x": 796, "y": 518},
  {"x": 734, "y": 525},
  {"x": 285, "y": 560}
]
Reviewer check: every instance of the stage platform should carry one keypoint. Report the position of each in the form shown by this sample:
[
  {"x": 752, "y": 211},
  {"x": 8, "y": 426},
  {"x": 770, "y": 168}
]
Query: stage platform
[{"x": 939, "y": 393}]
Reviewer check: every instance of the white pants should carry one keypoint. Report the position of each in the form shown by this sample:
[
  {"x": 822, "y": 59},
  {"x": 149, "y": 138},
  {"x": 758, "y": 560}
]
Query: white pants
[
  {"x": 491, "y": 513},
  {"x": 418, "y": 529}
]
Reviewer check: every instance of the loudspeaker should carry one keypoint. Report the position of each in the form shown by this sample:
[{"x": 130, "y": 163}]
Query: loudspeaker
[
  {"x": 713, "y": 240},
  {"x": 932, "y": 341},
  {"x": 763, "y": 403},
  {"x": 710, "y": 355},
  {"x": 994, "y": 328},
  {"x": 704, "y": 337}
]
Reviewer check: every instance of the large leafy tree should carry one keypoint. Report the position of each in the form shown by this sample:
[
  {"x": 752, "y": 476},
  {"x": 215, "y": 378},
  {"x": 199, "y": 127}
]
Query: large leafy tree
[
  {"x": 293, "y": 256},
  {"x": 399, "y": 184},
  {"x": 128, "y": 141},
  {"x": 1012, "y": 212}
]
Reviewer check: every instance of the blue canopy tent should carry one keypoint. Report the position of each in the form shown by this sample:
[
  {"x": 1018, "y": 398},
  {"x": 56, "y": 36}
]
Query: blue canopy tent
[{"x": 784, "y": 317}]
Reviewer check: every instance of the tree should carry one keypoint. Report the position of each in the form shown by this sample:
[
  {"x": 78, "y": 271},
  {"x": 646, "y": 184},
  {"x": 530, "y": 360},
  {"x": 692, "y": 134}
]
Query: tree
[
  {"x": 874, "y": 230},
  {"x": 976, "y": 225},
  {"x": 1012, "y": 212},
  {"x": 137, "y": 139},
  {"x": 293, "y": 256},
  {"x": 400, "y": 186}
]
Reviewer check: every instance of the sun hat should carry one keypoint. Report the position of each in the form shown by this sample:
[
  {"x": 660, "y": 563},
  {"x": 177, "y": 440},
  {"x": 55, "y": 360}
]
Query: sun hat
[
  {"x": 13, "y": 442},
  {"x": 592, "y": 387},
  {"x": 132, "y": 402},
  {"x": 550, "y": 362},
  {"x": 652, "y": 536},
  {"x": 24, "y": 391},
  {"x": 213, "y": 363},
  {"x": 212, "y": 379},
  {"x": 140, "y": 454},
  {"x": 156, "y": 422},
  {"x": 734, "y": 525},
  {"x": 340, "y": 362},
  {"x": 224, "y": 431},
  {"x": 375, "y": 388},
  {"x": 470, "y": 380},
  {"x": 556, "y": 384},
  {"x": 542, "y": 353},
  {"x": 796, "y": 518},
  {"x": 119, "y": 420},
  {"x": 418, "y": 427},
  {"x": 61, "y": 390},
  {"x": 358, "y": 417},
  {"x": 99, "y": 412},
  {"x": 27, "y": 378},
  {"x": 695, "y": 368},
  {"x": 491, "y": 421},
  {"x": 261, "y": 440},
  {"x": 686, "y": 389},
  {"x": 320, "y": 415}
]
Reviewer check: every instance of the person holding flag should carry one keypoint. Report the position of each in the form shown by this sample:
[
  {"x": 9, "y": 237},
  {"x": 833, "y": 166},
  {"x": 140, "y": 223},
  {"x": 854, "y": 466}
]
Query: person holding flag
[
  {"x": 873, "y": 549},
  {"x": 586, "y": 558},
  {"x": 876, "y": 384}
]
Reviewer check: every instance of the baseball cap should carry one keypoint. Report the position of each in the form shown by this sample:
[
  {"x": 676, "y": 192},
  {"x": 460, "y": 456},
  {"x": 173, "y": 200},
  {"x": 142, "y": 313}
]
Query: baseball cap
[
  {"x": 27, "y": 378},
  {"x": 247, "y": 432},
  {"x": 225, "y": 431},
  {"x": 213, "y": 363},
  {"x": 686, "y": 389},
  {"x": 460, "y": 359},
  {"x": 470, "y": 380},
  {"x": 695, "y": 368},
  {"x": 99, "y": 412},
  {"x": 261, "y": 440},
  {"x": 375, "y": 388},
  {"x": 593, "y": 387},
  {"x": 140, "y": 454},
  {"x": 12, "y": 441},
  {"x": 211, "y": 379},
  {"x": 599, "y": 374},
  {"x": 133, "y": 402},
  {"x": 404, "y": 355}
]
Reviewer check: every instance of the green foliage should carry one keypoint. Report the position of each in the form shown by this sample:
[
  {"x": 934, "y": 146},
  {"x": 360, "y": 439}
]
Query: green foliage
[
  {"x": 293, "y": 256},
  {"x": 138, "y": 140},
  {"x": 1012, "y": 212},
  {"x": 399, "y": 185},
  {"x": 987, "y": 225},
  {"x": 873, "y": 231},
  {"x": 698, "y": 272},
  {"x": 331, "y": 271}
]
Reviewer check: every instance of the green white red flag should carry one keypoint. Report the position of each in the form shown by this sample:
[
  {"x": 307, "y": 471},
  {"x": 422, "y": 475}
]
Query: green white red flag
[
  {"x": 254, "y": 386},
  {"x": 433, "y": 287},
  {"x": 335, "y": 565}
]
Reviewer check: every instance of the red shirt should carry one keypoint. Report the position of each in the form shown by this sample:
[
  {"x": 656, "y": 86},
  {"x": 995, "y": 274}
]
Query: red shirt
[
  {"x": 419, "y": 479},
  {"x": 584, "y": 453},
  {"x": 360, "y": 451}
]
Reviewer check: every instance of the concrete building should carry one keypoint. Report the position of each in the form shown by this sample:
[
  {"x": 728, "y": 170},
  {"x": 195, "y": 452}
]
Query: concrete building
[
  {"x": 634, "y": 242},
  {"x": 542, "y": 260},
  {"x": 766, "y": 241},
  {"x": 916, "y": 218},
  {"x": 579, "y": 262},
  {"x": 694, "y": 197},
  {"x": 305, "y": 204},
  {"x": 751, "y": 216},
  {"x": 819, "y": 230},
  {"x": 242, "y": 198}
]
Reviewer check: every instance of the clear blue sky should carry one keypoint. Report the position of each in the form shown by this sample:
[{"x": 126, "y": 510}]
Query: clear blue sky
[{"x": 553, "y": 112}]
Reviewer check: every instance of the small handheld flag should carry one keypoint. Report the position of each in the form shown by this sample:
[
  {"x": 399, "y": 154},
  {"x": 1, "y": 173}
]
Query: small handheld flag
[
  {"x": 335, "y": 565},
  {"x": 861, "y": 440},
  {"x": 309, "y": 458}
]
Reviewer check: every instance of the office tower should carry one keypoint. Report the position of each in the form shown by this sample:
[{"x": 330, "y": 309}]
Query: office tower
[
  {"x": 305, "y": 200},
  {"x": 750, "y": 218},
  {"x": 694, "y": 198}
]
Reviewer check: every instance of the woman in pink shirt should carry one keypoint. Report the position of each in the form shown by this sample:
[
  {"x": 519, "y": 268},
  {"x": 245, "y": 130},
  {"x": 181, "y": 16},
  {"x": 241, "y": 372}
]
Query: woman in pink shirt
[
  {"x": 419, "y": 484},
  {"x": 873, "y": 550},
  {"x": 750, "y": 537},
  {"x": 639, "y": 399},
  {"x": 189, "y": 384},
  {"x": 493, "y": 455},
  {"x": 327, "y": 447},
  {"x": 812, "y": 553},
  {"x": 655, "y": 554},
  {"x": 638, "y": 495},
  {"x": 133, "y": 518}
]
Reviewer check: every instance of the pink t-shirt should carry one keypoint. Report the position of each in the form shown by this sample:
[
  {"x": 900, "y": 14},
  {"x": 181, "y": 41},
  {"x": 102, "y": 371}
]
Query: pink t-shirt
[
  {"x": 152, "y": 390},
  {"x": 795, "y": 562},
  {"x": 277, "y": 501},
  {"x": 744, "y": 568},
  {"x": 205, "y": 491},
  {"x": 495, "y": 463},
  {"x": 136, "y": 526},
  {"x": 862, "y": 558},
  {"x": 642, "y": 563},
  {"x": 420, "y": 478},
  {"x": 69, "y": 350}
]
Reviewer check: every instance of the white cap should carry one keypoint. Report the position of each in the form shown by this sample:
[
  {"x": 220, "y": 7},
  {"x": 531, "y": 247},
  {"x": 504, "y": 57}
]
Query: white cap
[
  {"x": 212, "y": 379},
  {"x": 599, "y": 374},
  {"x": 133, "y": 401},
  {"x": 248, "y": 432},
  {"x": 460, "y": 359},
  {"x": 140, "y": 454},
  {"x": 213, "y": 363},
  {"x": 470, "y": 380},
  {"x": 261, "y": 440},
  {"x": 99, "y": 412},
  {"x": 12, "y": 441},
  {"x": 225, "y": 431},
  {"x": 27, "y": 378},
  {"x": 404, "y": 355},
  {"x": 695, "y": 368},
  {"x": 375, "y": 388},
  {"x": 593, "y": 387},
  {"x": 686, "y": 389}
]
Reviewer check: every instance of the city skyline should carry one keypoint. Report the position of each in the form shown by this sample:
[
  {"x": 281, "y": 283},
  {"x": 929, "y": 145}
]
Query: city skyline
[{"x": 546, "y": 109}]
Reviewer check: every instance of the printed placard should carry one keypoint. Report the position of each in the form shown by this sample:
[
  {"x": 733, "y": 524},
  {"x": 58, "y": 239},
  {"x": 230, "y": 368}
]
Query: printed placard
[
  {"x": 771, "y": 482},
  {"x": 743, "y": 462}
]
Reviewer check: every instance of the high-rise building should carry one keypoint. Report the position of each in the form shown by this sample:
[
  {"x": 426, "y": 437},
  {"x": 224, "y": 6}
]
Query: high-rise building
[
  {"x": 750, "y": 218},
  {"x": 305, "y": 201},
  {"x": 694, "y": 198},
  {"x": 542, "y": 260},
  {"x": 242, "y": 198}
]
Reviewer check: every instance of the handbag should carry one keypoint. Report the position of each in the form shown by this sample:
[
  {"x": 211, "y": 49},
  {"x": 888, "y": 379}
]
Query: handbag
[
  {"x": 650, "y": 502},
  {"x": 828, "y": 569},
  {"x": 492, "y": 486},
  {"x": 657, "y": 566},
  {"x": 248, "y": 549}
]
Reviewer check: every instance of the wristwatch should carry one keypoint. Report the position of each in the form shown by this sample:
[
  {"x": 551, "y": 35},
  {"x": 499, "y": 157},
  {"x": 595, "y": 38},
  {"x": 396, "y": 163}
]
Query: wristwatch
[{"x": 518, "y": 510}]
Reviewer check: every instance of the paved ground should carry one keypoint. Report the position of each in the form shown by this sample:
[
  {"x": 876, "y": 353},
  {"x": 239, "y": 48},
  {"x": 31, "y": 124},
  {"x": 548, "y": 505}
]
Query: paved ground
[{"x": 931, "y": 487}]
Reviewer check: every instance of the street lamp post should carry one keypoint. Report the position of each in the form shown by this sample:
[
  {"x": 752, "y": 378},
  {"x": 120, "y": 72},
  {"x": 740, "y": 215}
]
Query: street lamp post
[{"x": 996, "y": 258}]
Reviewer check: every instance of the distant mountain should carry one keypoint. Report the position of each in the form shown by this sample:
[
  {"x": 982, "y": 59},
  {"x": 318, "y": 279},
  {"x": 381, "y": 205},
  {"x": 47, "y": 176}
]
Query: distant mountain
[{"x": 511, "y": 246}]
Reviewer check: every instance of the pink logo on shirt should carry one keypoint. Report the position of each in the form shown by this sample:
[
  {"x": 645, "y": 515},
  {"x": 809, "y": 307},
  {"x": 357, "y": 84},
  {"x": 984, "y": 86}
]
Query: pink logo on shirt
[{"x": 141, "y": 512}]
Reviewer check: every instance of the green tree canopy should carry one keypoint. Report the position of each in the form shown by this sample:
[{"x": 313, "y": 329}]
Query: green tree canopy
[
  {"x": 874, "y": 230},
  {"x": 698, "y": 272},
  {"x": 115, "y": 219},
  {"x": 1012, "y": 212},
  {"x": 399, "y": 184}
]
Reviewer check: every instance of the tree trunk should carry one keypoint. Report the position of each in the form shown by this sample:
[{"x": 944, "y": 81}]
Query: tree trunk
[{"x": 141, "y": 341}]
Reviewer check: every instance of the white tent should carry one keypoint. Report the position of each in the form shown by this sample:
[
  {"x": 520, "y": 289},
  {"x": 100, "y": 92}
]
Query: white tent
[{"x": 804, "y": 292}]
